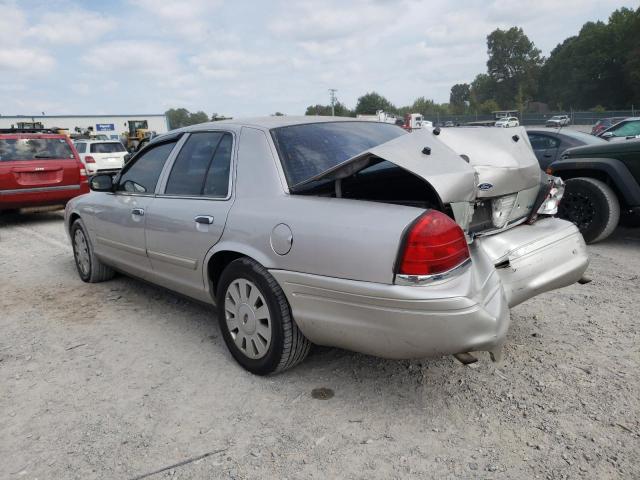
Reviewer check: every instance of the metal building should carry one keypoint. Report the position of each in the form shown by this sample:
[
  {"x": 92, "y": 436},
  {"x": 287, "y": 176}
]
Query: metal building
[{"x": 111, "y": 125}]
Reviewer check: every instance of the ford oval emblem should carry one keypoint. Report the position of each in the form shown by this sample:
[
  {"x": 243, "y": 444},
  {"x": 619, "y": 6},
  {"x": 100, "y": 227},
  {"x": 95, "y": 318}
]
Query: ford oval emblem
[{"x": 485, "y": 186}]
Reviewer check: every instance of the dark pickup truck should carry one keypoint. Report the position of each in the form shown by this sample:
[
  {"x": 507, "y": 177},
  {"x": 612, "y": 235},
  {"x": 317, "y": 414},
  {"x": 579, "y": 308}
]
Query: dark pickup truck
[{"x": 602, "y": 183}]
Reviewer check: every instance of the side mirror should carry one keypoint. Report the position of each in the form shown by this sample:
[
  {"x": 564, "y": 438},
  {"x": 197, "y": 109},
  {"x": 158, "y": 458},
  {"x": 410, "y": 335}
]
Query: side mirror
[
  {"x": 607, "y": 135},
  {"x": 101, "y": 183}
]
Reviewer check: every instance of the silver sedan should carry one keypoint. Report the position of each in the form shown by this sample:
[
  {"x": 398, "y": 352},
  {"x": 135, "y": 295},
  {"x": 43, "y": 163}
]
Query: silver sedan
[{"x": 337, "y": 232}]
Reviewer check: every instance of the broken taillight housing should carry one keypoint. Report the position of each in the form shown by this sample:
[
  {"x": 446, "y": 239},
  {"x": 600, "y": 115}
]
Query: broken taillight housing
[
  {"x": 501, "y": 208},
  {"x": 556, "y": 192},
  {"x": 434, "y": 244}
]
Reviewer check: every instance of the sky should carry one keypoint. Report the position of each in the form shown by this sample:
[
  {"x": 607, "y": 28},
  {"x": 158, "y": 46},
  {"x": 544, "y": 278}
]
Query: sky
[{"x": 243, "y": 58}]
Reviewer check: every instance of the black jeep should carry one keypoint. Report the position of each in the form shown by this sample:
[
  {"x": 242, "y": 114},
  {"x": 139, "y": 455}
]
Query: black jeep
[{"x": 602, "y": 181}]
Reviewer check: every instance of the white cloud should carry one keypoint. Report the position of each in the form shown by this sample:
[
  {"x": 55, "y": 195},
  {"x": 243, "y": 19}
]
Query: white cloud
[
  {"x": 194, "y": 20},
  {"x": 13, "y": 23},
  {"x": 245, "y": 58},
  {"x": 321, "y": 21},
  {"x": 143, "y": 58},
  {"x": 25, "y": 61},
  {"x": 74, "y": 27},
  {"x": 229, "y": 63}
]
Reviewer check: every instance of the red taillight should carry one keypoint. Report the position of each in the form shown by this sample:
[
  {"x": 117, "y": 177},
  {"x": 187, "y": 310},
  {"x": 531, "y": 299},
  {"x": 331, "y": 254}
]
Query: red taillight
[
  {"x": 434, "y": 244},
  {"x": 89, "y": 159}
]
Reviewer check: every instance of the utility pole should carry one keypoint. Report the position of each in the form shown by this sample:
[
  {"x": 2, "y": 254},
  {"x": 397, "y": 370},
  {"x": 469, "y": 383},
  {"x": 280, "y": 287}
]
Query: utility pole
[{"x": 332, "y": 96}]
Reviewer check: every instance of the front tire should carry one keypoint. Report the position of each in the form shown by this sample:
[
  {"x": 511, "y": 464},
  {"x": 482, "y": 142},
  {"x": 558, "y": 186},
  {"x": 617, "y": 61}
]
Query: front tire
[
  {"x": 90, "y": 268},
  {"x": 255, "y": 319},
  {"x": 592, "y": 205}
]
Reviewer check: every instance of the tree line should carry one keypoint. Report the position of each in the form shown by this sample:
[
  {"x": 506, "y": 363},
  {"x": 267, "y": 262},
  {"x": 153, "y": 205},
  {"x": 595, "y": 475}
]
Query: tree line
[{"x": 597, "y": 69}]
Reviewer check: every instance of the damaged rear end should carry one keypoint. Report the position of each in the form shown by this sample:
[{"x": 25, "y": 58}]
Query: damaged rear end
[
  {"x": 489, "y": 182},
  {"x": 484, "y": 239}
]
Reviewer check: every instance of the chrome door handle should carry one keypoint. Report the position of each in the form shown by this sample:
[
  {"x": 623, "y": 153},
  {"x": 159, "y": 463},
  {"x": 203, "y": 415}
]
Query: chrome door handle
[
  {"x": 138, "y": 211},
  {"x": 206, "y": 219}
]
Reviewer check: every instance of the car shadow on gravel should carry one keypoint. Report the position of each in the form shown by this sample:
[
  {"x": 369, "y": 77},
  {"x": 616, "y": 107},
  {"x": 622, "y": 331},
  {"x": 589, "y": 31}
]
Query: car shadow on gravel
[
  {"x": 622, "y": 236},
  {"x": 323, "y": 362},
  {"x": 31, "y": 217}
]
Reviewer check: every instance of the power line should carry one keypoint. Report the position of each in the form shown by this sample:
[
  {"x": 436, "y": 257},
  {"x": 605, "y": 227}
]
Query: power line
[{"x": 332, "y": 96}]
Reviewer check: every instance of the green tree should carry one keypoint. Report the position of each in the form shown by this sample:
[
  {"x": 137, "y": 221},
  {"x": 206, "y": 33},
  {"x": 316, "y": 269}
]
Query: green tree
[
  {"x": 370, "y": 103},
  {"x": 340, "y": 109},
  {"x": 514, "y": 65},
  {"x": 599, "y": 66},
  {"x": 458, "y": 98},
  {"x": 488, "y": 106},
  {"x": 198, "y": 117},
  {"x": 483, "y": 88},
  {"x": 181, "y": 117},
  {"x": 177, "y": 117}
]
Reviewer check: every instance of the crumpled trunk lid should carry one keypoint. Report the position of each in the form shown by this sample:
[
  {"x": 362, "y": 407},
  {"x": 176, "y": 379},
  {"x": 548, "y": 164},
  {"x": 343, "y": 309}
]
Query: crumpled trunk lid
[
  {"x": 498, "y": 164},
  {"x": 504, "y": 165},
  {"x": 450, "y": 176}
]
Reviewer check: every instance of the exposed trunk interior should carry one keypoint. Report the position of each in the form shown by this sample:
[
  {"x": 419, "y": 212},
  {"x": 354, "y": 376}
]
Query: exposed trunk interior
[{"x": 380, "y": 182}]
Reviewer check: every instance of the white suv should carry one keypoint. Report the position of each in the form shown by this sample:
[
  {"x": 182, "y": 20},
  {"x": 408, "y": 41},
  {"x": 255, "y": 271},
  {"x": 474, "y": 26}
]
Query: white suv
[
  {"x": 101, "y": 156},
  {"x": 506, "y": 122}
]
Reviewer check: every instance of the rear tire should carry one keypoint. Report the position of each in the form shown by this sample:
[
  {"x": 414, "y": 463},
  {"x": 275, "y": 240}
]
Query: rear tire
[
  {"x": 592, "y": 205},
  {"x": 90, "y": 268},
  {"x": 255, "y": 319}
]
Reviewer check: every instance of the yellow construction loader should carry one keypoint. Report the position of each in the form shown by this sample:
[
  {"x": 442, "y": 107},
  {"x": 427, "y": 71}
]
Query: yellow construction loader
[{"x": 137, "y": 135}]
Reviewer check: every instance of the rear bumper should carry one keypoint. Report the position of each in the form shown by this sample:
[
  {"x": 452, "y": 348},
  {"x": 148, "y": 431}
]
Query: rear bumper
[
  {"x": 41, "y": 196},
  {"x": 467, "y": 312},
  {"x": 536, "y": 258}
]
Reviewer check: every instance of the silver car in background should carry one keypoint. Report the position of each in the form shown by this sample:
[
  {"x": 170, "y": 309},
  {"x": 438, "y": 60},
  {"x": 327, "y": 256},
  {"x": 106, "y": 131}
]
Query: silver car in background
[{"x": 337, "y": 232}]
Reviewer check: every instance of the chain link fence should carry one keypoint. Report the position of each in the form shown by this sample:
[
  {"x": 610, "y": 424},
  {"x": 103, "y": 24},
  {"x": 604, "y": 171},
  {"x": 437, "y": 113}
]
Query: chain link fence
[{"x": 577, "y": 118}]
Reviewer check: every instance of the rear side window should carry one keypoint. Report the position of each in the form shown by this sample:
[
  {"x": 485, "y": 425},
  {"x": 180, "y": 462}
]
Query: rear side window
[
  {"x": 143, "y": 173},
  {"x": 542, "y": 142},
  {"x": 202, "y": 166},
  {"x": 81, "y": 147},
  {"x": 107, "y": 147},
  {"x": 310, "y": 149},
  {"x": 12, "y": 149}
]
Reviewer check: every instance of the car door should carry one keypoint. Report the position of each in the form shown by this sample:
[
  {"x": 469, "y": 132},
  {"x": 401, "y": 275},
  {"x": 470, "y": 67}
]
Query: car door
[
  {"x": 189, "y": 214},
  {"x": 119, "y": 217}
]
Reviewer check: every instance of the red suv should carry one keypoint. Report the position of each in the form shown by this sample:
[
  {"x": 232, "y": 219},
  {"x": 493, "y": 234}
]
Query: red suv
[{"x": 38, "y": 169}]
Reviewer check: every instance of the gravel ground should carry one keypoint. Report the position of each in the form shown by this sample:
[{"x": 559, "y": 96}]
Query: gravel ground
[{"x": 121, "y": 379}]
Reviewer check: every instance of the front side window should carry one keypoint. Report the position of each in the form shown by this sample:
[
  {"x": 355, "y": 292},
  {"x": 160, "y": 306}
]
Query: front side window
[
  {"x": 310, "y": 149},
  {"x": 141, "y": 176},
  {"x": 202, "y": 166},
  {"x": 12, "y": 149},
  {"x": 107, "y": 147}
]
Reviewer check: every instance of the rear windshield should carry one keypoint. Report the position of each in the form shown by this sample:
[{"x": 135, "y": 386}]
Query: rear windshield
[
  {"x": 107, "y": 147},
  {"x": 33, "y": 148},
  {"x": 310, "y": 149},
  {"x": 585, "y": 138}
]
